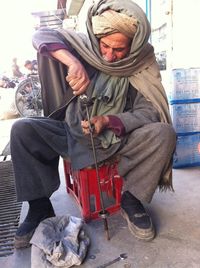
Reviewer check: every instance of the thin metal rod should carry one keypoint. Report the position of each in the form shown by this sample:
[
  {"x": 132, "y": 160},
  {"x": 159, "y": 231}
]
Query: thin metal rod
[
  {"x": 95, "y": 160},
  {"x": 104, "y": 212}
]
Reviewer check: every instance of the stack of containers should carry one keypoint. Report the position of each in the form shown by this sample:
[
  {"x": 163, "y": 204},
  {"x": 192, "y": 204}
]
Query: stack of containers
[
  {"x": 184, "y": 102},
  {"x": 52, "y": 18}
]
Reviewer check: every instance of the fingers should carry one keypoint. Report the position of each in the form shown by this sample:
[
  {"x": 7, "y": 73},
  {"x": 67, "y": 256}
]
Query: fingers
[
  {"x": 98, "y": 123},
  {"x": 85, "y": 127},
  {"x": 78, "y": 85},
  {"x": 88, "y": 127},
  {"x": 77, "y": 78},
  {"x": 80, "y": 90},
  {"x": 84, "y": 124}
]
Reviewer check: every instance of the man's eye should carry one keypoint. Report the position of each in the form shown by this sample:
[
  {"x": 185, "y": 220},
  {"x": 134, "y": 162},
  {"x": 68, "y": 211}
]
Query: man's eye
[
  {"x": 105, "y": 46},
  {"x": 119, "y": 49}
]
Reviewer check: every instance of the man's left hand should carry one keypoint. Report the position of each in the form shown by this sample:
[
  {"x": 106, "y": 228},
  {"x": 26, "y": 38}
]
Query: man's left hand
[{"x": 98, "y": 123}]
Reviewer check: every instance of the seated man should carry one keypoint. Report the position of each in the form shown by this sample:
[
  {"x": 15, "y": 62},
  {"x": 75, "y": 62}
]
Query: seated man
[
  {"x": 116, "y": 68},
  {"x": 31, "y": 66}
]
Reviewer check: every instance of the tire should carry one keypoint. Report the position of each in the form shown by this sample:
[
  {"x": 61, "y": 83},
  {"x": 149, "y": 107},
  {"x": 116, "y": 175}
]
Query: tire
[{"x": 28, "y": 98}]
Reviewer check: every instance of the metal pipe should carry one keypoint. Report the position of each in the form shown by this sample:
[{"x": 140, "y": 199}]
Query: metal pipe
[{"x": 103, "y": 213}]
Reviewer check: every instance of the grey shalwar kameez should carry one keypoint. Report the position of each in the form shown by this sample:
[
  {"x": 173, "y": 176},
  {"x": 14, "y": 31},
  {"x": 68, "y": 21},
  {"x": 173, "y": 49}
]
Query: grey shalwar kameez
[{"x": 145, "y": 151}]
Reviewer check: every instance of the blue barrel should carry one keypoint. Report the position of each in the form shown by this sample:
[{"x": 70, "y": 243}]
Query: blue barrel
[{"x": 184, "y": 100}]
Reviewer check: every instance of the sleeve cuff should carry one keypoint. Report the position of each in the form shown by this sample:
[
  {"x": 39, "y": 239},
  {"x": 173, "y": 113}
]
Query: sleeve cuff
[
  {"x": 46, "y": 48},
  {"x": 116, "y": 125}
]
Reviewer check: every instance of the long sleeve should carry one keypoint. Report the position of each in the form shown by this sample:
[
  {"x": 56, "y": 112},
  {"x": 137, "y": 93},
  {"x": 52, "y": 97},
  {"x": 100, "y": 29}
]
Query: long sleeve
[
  {"x": 47, "y": 38},
  {"x": 142, "y": 113}
]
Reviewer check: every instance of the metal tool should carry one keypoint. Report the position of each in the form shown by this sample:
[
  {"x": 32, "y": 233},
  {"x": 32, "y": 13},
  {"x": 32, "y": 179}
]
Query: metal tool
[
  {"x": 103, "y": 213},
  {"x": 122, "y": 256}
]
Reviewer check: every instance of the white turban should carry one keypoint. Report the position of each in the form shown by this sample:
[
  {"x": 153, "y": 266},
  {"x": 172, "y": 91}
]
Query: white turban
[{"x": 110, "y": 22}]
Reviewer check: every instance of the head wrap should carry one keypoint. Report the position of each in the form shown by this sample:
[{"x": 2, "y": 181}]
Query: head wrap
[
  {"x": 110, "y": 22},
  {"x": 119, "y": 15}
]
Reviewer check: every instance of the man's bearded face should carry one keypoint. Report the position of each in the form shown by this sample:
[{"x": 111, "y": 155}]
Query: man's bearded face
[{"x": 114, "y": 47}]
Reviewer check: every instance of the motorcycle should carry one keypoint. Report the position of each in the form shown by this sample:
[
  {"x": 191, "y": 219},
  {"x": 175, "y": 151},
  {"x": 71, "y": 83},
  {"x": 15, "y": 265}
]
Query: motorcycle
[
  {"x": 28, "y": 99},
  {"x": 6, "y": 82}
]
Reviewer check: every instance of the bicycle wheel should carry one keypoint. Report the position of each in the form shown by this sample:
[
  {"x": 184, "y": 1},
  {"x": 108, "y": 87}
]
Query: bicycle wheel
[{"x": 28, "y": 98}]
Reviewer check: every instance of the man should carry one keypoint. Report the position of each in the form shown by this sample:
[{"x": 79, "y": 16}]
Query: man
[
  {"x": 15, "y": 69},
  {"x": 31, "y": 66},
  {"x": 116, "y": 68}
]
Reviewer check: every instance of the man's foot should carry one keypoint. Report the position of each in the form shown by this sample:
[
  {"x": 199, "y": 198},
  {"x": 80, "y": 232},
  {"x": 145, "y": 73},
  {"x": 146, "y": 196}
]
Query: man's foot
[
  {"x": 139, "y": 222},
  {"x": 39, "y": 210}
]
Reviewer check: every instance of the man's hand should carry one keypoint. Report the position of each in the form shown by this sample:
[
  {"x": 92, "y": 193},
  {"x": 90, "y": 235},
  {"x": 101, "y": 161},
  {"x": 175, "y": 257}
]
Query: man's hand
[
  {"x": 99, "y": 123},
  {"x": 77, "y": 76}
]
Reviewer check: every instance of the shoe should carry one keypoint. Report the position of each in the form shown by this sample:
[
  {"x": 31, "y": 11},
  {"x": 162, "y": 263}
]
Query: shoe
[
  {"x": 39, "y": 210},
  {"x": 139, "y": 222}
]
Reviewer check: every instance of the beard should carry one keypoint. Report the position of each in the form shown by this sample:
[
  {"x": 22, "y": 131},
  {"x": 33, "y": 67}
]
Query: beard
[{"x": 108, "y": 60}]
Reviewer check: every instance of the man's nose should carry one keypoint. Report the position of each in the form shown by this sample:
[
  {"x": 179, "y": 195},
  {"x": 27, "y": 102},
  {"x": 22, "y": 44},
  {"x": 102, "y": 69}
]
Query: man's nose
[{"x": 110, "y": 55}]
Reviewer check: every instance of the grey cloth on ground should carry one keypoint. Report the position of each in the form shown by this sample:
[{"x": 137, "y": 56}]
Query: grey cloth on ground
[{"x": 59, "y": 242}]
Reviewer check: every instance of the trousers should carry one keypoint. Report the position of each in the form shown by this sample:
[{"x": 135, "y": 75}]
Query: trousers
[{"x": 37, "y": 143}]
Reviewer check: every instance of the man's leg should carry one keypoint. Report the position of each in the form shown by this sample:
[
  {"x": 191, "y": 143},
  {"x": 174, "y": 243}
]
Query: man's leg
[
  {"x": 35, "y": 148},
  {"x": 143, "y": 161}
]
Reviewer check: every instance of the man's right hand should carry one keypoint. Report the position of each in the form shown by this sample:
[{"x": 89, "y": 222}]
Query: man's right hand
[{"x": 77, "y": 76}]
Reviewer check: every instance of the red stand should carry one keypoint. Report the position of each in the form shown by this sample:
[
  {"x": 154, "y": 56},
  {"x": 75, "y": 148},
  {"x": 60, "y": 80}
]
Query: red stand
[{"x": 83, "y": 186}]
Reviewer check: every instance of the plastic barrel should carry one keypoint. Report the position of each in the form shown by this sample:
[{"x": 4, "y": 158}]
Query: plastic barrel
[{"x": 184, "y": 102}]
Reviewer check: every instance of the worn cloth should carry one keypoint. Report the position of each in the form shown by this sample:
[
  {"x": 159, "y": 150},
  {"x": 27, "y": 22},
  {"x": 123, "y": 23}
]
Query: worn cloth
[
  {"x": 110, "y": 22},
  {"x": 59, "y": 242}
]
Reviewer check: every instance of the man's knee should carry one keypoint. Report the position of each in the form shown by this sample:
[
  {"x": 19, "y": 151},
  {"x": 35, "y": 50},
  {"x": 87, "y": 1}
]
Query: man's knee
[
  {"x": 165, "y": 132},
  {"x": 20, "y": 127}
]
